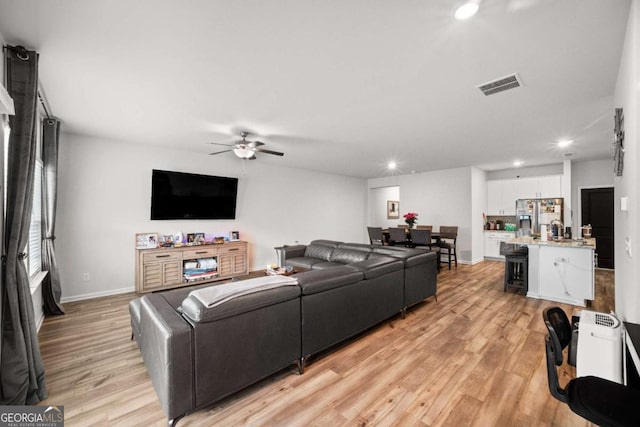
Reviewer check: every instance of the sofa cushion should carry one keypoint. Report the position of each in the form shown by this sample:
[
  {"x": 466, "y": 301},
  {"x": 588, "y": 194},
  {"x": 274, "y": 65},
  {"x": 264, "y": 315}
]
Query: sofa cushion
[
  {"x": 348, "y": 256},
  {"x": 323, "y": 265},
  {"x": 303, "y": 262},
  {"x": 315, "y": 281},
  {"x": 321, "y": 252},
  {"x": 378, "y": 266},
  {"x": 356, "y": 246},
  {"x": 325, "y": 242}
]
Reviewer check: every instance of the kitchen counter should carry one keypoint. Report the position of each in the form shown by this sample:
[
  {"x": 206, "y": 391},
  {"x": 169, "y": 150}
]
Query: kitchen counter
[
  {"x": 569, "y": 243},
  {"x": 560, "y": 270}
]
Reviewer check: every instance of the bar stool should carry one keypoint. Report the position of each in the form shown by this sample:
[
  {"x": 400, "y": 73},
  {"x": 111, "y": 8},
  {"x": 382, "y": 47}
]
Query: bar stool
[{"x": 516, "y": 266}]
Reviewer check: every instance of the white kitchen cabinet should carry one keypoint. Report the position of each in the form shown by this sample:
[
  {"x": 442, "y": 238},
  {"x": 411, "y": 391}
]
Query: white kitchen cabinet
[
  {"x": 501, "y": 197},
  {"x": 528, "y": 188},
  {"x": 502, "y": 194},
  {"x": 550, "y": 186},
  {"x": 492, "y": 240},
  {"x": 541, "y": 187}
]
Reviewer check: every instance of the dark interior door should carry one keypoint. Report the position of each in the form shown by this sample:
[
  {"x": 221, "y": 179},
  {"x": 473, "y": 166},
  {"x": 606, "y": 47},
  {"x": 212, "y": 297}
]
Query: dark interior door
[{"x": 597, "y": 210}]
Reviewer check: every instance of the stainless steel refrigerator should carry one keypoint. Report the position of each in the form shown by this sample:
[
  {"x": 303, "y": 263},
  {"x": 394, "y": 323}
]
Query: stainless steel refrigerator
[{"x": 532, "y": 213}]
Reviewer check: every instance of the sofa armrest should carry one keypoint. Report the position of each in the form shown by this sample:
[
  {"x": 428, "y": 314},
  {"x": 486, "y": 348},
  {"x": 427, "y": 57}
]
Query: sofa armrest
[
  {"x": 168, "y": 354},
  {"x": 294, "y": 251}
]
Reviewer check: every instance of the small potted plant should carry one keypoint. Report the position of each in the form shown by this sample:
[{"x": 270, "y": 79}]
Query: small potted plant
[{"x": 411, "y": 218}]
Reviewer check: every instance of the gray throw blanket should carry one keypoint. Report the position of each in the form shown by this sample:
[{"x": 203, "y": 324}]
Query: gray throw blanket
[{"x": 219, "y": 294}]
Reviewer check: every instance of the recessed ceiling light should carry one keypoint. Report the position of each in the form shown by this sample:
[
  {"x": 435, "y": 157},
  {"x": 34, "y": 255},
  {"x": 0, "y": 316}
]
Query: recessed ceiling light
[
  {"x": 518, "y": 163},
  {"x": 392, "y": 165},
  {"x": 562, "y": 143},
  {"x": 467, "y": 10}
]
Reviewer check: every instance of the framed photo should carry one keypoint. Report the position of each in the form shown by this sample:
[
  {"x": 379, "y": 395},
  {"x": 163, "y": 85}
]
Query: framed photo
[
  {"x": 393, "y": 209},
  {"x": 146, "y": 240},
  {"x": 191, "y": 238},
  {"x": 234, "y": 235},
  {"x": 199, "y": 237}
]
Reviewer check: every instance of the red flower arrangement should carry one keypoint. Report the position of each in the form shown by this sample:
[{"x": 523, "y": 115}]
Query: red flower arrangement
[{"x": 410, "y": 218}]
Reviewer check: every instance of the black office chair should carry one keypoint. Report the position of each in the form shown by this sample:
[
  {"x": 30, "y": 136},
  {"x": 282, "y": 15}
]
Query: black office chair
[
  {"x": 559, "y": 327},
  {"x": 397, "y": 236},
  {"x": 597, "y": 400},
  {"x": 375, "y": 235}
]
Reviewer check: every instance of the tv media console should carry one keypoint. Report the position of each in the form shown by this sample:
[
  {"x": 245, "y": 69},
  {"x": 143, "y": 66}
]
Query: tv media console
[{"x": 164, "y": 268}]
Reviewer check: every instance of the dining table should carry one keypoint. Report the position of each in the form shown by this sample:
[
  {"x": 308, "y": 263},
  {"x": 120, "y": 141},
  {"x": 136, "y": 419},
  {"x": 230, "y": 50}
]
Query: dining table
[{"x": 436, "y": 237}]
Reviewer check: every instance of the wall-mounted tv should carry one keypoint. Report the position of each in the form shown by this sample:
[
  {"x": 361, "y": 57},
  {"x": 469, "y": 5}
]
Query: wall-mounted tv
[{"x": 178, "y": 195}]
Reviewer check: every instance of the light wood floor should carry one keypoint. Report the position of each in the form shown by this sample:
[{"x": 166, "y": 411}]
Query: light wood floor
[{"x": 475, "y": 357}]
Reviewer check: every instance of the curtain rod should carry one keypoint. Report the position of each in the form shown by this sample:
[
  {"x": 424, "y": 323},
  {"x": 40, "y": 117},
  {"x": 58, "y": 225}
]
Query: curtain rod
[{"x": 41, "y": 96}]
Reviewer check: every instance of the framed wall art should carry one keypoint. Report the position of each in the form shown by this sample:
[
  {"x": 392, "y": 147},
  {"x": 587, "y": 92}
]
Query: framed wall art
[{"x": 393, "y": 209}]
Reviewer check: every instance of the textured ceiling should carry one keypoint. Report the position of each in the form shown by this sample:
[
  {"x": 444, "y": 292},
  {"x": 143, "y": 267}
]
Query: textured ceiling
[{"x": 339, "y": 86}]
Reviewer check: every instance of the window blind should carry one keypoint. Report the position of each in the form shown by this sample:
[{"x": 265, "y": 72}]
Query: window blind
[{"x": 35, "y": 229}]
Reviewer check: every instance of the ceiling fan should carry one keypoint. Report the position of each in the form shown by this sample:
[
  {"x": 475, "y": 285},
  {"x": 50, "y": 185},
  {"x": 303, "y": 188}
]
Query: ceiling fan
[{"x": 246, "y": 149}]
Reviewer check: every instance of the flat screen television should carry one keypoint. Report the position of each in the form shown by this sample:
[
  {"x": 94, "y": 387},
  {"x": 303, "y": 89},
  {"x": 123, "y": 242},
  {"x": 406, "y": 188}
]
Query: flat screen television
[{"x": 178, "y": 195}]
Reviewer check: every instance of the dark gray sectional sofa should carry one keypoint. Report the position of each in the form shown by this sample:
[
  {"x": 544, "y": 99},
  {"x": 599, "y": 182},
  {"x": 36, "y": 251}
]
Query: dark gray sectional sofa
[
  {"x": 196, "y": 355},
  {"x": 420, "y": 270}
]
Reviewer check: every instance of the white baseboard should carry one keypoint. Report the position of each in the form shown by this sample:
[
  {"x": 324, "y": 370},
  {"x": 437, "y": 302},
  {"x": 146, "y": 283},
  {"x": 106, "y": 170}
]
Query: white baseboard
[
  {"x": 97, "y": 294},
  {"x": 39, "y": 323}
]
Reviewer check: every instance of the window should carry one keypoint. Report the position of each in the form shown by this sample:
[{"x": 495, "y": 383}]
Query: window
[
  {"x": 33, "y": 262},
  {"x": 34, "y": 248}
]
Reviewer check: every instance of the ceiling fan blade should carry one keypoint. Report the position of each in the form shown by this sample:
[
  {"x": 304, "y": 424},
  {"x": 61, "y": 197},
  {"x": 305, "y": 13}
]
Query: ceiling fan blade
[
  {"x": 252, "y": 157},
  {"x": 255, "y": 144},
  {"x": 217, "y": 143},
  {"x": 219, "y": 152},
  {"x": 275, "y": 153}
]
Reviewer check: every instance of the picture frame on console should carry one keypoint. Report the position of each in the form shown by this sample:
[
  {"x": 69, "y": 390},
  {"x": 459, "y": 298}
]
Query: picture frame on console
[
  {"x": 146, "y": 240},
  {"x": 393, "y": 209},
  {"x": 234, "y": 236}
]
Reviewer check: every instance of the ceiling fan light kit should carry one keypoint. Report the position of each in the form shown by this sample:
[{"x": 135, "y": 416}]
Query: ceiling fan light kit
[{"x": 246, "y": 150}]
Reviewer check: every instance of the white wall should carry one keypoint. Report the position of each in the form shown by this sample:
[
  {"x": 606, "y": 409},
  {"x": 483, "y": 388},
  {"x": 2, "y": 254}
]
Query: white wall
[
  {"x": 627, "y": 96},
  {"x": 588, "y": 174},
  {"x": 378, "y": 198},
  {"x": 478, "y": 208},
  {"x": 105, "y": 193},
  {"x": 439, "y": 198}
]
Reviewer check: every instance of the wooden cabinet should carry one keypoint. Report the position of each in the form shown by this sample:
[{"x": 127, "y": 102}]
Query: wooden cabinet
[
  {"x": 163, "y": 268},
  {"x": 232, "y": 261}
]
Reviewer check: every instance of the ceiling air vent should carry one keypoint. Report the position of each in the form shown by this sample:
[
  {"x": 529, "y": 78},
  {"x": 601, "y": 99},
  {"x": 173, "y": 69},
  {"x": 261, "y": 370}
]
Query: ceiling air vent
[{"x": 511, "y": 81}]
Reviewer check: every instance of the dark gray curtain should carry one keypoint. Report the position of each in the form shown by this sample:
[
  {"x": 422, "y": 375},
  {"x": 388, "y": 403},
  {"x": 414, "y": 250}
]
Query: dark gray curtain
[
  {"x": 21, "y": 369},
  {"x": 51, "y": 287}
]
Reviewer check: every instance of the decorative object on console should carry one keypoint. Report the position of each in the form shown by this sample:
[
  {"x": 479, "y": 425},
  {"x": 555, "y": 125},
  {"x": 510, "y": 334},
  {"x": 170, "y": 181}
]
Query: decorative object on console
[
  {"x": 218, "y": 240},
  {"x": 146, "y": 240},
  {"x": 167, "y": 241},
  {"x": 393, "y": 209},
  {"x": 244, "y": 149},
  {"x": 411, "y": 218},
  {"x": 234, "y": 235}
]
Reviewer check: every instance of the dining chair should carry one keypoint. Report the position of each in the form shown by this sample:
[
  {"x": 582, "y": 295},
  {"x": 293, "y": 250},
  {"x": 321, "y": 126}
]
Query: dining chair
[
  {"x": 425, "y": 227},
  {"x": 422, "y": 238},
  {"x": 397, "y": 236},
  {"x": 448, "y": 243},
  {"x": 375, "y": 235}
]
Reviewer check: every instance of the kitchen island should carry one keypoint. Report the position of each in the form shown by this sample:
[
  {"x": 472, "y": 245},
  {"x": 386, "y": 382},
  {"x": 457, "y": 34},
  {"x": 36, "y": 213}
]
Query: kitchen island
[{"x": 560, "y": 270}]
